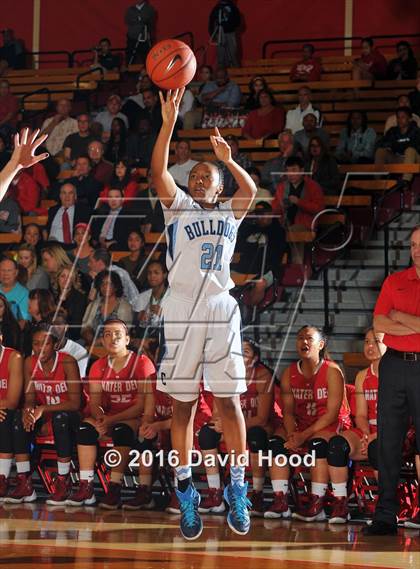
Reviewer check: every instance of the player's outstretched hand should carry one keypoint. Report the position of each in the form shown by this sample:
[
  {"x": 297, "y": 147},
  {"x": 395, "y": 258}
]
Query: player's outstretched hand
[
  {"x": 25, "y": 146},
  {"x": 170, "y": 106},
  {"x": 220, "y": 146}
]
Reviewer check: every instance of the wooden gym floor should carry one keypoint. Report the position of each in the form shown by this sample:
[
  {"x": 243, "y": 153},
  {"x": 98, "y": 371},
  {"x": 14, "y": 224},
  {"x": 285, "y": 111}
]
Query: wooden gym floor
[{"x": 35, "y": 535}]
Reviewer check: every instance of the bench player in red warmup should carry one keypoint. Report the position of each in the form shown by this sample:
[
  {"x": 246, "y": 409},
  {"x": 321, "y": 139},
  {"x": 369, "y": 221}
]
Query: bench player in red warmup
[{"x": 201, "y": 321}]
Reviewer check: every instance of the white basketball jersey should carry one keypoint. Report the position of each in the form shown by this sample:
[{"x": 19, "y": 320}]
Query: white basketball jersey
[{"x": 200, "y": 243}]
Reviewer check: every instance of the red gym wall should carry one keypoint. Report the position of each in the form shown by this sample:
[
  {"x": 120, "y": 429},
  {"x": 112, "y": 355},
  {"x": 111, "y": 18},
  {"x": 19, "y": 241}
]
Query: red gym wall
[{"x": 78, "y": 24}]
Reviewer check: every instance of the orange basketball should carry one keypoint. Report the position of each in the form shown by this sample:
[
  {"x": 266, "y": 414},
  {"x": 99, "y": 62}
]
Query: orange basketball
[{"x": 171, "y": 64}]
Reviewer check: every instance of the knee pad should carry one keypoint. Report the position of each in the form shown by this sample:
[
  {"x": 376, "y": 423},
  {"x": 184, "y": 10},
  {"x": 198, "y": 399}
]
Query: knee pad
[
  {"x": 372, "y": 452},
  {"x": 208, "y": 438},
  {"x": 122, "y": 435},
  {"x": 6, "y": 432},
  {"x": 257, "y": 439},
  {"x": 60, "y": 422},
  {"x": 338, "y": 451},
  {"x": 319, "y": 446},
  {"x": 87, "y": 435},
  {"x": 276, "y": 446}
]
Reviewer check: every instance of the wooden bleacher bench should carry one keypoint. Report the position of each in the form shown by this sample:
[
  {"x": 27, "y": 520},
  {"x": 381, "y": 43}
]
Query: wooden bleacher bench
[
  {"x": 371, "y": 185},
  {"x": 118, "y": 255},
  {"x": 6, "y": 238},
  {"x": 40, "y": 80},
  {"x": 57, "y": 87},
  {"x": 322, "y": 85},
  {"x": 300, "y": 236},
  {"x": 355, "y": 359},
  {"x": 38, "y": 219},
  {"x": 372, "y": 168},
  {"x": 206, "y": 132},
  {"x": 243, "y": 80},
  {"x": 48, "y": 203},
  {"x": 348, "y": 201}
]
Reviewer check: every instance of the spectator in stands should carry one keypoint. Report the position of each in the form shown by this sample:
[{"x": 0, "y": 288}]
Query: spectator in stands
[
  {"x": 221, "y": 93},
  {"x": 256, "y": 85},
  {"x": 414, "y": 96},
  {"x": 116, "y": 148},
  {"x": 112, "y": 222},
  {"x": 294, "y": 117},
  {"x": 299, "y": 198},
  {"x": 32, "y": 235},
  {"x": 371, "y": 64},
  {"x": 150, "y": 210},
  {"x": 193, "y": 118},
  {"x": 102, "y": 170},
  {"x": 55, "y": 258},
  {"x": 151, "y": 112},
  {"x": 136, "y": 261},
  {"x": 72, "y": 299},
  {"x": 9, "y": 107},
  {"x": 10, "y": 221},
  {"x": 229, "y": 184},
  {"x": 310, "y": 129},
  {"x": 140, "y": 21},
  {"x": 9, "y": 326},
  {"x": 87, "y": 188},
  {"x": 59, "y": 127},
  {"x": 261, "y": 244},
  {"x": 323, "y": 166},
  {"x": 224, "y": 22},
  {"x": 401, "y": 144},
  {"x": 59, "y": 328},
  {"x": 180, "y": 171},
  {"x": 140, "y": 145},
  {"x": 25, "y": 192},
  {"x": 16, "y": 294},
  {"x": 113, "y": 110},
  {"x": 271, "y": 172},
  {"x": 405, "y": 65},
  {"x": 122, "y": 180},
  {"x": 12, "y": 53},
  {"x": 309, "y": 68},
  {"x": 133, "y": 104},
  {"x": 41, "y": 306},
  {"x": 63, "y": 217},
  {"x": 149, "y": 319},
  {"x": 402, "y": 101},
  {"x": 103, "y": 56},
  {"x": 357, "y": 140},
  {"x": 266, "y": 121},
  {"x": 5, "y": 154},
  {"x": 100, "y": 260},
  {"x": 262, "y": 194},
  {"x": 77, "y": 144},
  {"x": 83, "y": 249},
  {"x": 187, "y": 104},
  {"x": 34, "y": 276},
  {"x": 109, "y": 303}
]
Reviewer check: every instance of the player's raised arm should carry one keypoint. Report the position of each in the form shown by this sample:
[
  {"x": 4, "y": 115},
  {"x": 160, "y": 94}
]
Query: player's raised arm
[
  {"x": 244, "y": 195},
  {"x": 162, "y": 181},
  {"x": 23, "y": 157}
]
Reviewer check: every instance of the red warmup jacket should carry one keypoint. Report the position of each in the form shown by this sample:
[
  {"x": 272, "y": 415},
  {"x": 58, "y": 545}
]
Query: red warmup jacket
[
  {"x": 131, "y": 190},
  {"x": 311, "y": 202},
  {"x": 26, "y": 193}
]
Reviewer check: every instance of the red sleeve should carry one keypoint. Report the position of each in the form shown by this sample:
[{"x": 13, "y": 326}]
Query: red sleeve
[
  {"x": 313, "y": 202},
  {"x": 40, "y": 176},
  {"x": 279, "y": 121},
  {"x": 131, "y": 190},
  {"x": 384, "y": 303},
  {"x": 293, "y": 72},
  {"x": 248, "y": 126},
  {"x": 104, "y": 192},
  {"x": 277, "y": 203},
  {"x": 315, "y": 74},
  {"x": 28, "y": 193}
]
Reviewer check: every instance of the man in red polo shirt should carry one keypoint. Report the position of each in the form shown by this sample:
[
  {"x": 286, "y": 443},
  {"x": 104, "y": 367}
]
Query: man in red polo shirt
[{"x": 397, "y": 314}]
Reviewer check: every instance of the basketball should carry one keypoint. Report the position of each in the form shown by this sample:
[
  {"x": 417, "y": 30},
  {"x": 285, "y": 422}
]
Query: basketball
[{"x": 171, "y": 64}]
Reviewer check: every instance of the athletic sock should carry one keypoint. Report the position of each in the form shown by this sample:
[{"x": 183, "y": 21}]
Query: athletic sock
[
  {"x": 63, "y": 468},
  {"x": 5, "y": 466},
  {"x": 87, "y": 475},
  {"x": 319, "y": 489},
  {"x": 213, "y": 480},
  {"x": 183, "y": 476},
  {"x": 280, "y": 486},
  {"x": 23, "y": 467},
  {"x": 237, "y": 475},
  {"x": 257, "y": 484},
  {"x": 340, "y": 490}
]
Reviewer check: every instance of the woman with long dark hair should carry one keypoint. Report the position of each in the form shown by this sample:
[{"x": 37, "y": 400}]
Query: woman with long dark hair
[
  {"x": 357, "y": 140},
  {"x": 117, "y": 144},
  {"x": 267, "y": 120},
  {"x": 9, "y": 325},
  {"x": 323, "y": 166},
  {"x": 405, "y": 65},
  {"x": 255, "y": 86},
  {"x": 135, "y": 262},
  {"x": 122, "y": 180}
]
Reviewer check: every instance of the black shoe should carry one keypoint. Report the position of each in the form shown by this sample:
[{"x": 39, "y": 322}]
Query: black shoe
[{"x": 380, "y": 528}]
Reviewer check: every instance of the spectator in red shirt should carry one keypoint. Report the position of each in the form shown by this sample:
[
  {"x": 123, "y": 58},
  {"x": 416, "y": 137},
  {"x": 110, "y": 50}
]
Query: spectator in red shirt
[
  {"x": 371, "y": 64},
  {"x": 9, "y": 107},
  {"x": 25, "y": 191},
  {"x": 122, "y": 180},
  {"x": 266, "y": 121},
  {"x": 299, "y": 198},
  {"x": 307, "y": 69}
]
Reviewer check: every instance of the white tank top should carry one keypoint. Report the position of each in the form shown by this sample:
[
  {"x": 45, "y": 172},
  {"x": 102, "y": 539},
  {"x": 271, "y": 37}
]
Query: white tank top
[{"x": 200, "y": 243}]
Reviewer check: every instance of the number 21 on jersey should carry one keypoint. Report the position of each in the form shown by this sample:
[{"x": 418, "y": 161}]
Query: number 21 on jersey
[{"x": 211, "y": 257}]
